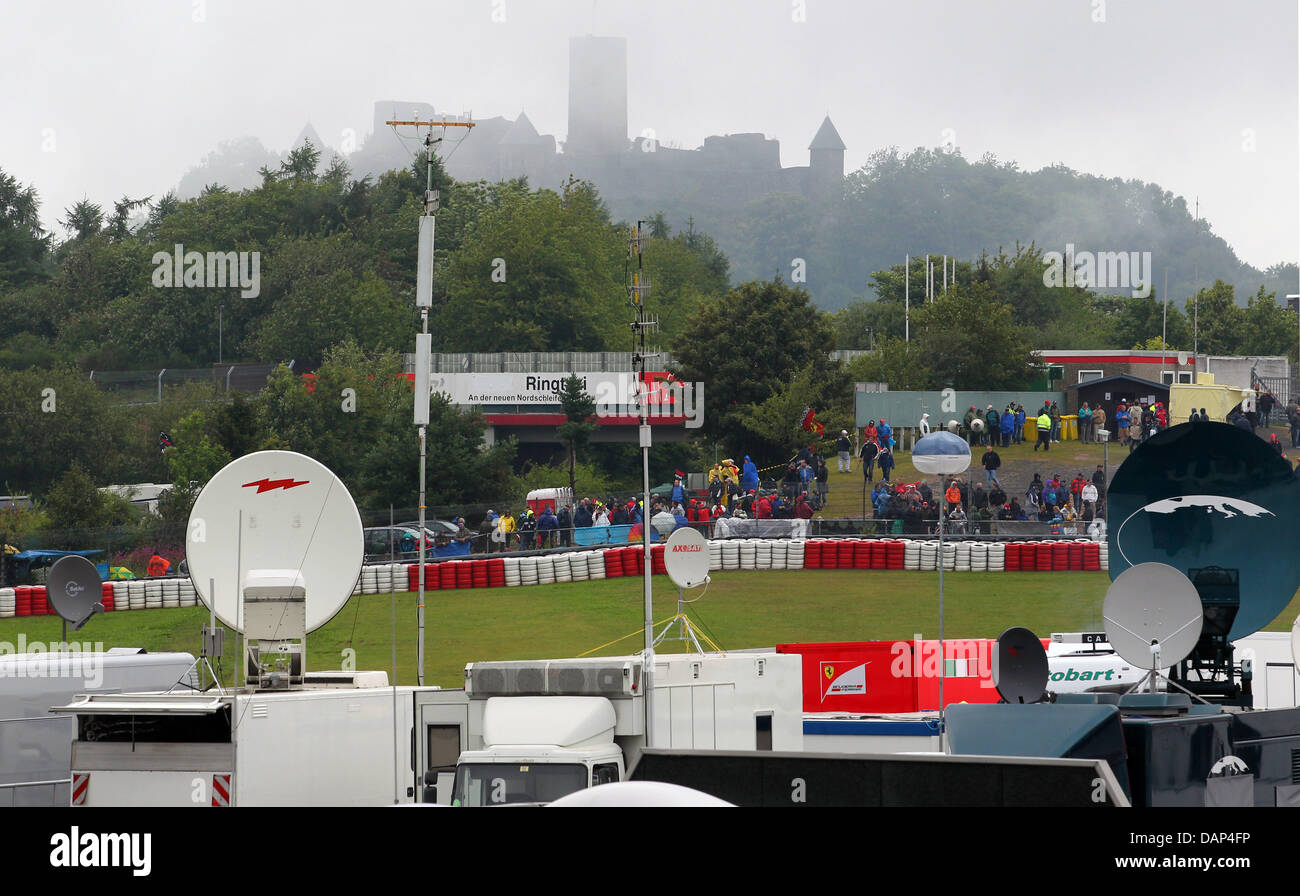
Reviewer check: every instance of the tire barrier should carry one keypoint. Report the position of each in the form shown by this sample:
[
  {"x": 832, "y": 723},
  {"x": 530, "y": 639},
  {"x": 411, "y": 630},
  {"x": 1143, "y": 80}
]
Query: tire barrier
[{"x": 1061, "y": 555}]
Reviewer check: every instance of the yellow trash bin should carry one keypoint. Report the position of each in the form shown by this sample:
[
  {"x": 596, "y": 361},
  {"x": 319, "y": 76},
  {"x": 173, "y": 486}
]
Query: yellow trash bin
[{"x": 1069, "y": 426}]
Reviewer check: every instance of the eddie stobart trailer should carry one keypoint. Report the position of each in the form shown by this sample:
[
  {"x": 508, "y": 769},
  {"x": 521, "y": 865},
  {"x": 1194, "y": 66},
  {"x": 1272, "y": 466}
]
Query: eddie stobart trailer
[
  {"x": 343, "y": 739},
  {"x": 36, "y": 745}
]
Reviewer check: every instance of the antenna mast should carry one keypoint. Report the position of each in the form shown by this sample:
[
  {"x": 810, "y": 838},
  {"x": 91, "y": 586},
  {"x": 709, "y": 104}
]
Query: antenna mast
[
  {"x": 642, "y": 325},
  {"x": 423, "y": 341}
]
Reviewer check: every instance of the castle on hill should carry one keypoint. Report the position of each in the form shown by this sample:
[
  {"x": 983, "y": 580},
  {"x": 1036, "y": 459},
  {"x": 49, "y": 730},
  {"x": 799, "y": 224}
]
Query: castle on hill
[{"x": 634, "y": 175}]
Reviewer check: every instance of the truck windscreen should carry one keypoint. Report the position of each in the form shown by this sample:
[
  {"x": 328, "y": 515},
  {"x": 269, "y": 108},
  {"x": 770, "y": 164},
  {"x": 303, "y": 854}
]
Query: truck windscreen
[{"x": 500, "y": 784}]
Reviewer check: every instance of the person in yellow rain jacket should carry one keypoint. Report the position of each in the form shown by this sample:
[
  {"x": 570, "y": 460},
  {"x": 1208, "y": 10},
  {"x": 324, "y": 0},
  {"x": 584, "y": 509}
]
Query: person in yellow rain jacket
[{"x": 507, "y": 526}]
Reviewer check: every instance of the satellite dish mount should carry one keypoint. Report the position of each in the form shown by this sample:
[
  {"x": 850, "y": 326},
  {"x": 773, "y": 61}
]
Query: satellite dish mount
[{"x": 686, "y": 557}]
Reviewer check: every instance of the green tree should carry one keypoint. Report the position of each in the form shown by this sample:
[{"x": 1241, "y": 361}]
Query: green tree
[
  {"x": 579, "y": 415},
  {"x": 1142, "y": 319},
  {"x": 1218, "y": 320},
  {"x": 24, "y": 244},
  {"x": 195, "y": 456},
  {"x": 84, "y": 219},
  {"x": 544, "y": 268},
  {"x": 971, "y": 342},
  {"x": 74, "y": 503},
  {"x": 746, "y": 346},
  {"x": 1268, "y": 328}
]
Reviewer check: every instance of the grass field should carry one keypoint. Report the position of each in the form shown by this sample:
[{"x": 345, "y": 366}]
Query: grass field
[{"x": 739, "y": 609}]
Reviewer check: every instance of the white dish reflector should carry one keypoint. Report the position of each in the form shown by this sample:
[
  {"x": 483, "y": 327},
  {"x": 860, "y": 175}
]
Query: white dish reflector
[{"x": 298, "y": 518}]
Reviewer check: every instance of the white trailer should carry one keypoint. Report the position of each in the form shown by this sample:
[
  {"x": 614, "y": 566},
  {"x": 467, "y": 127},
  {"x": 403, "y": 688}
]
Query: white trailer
[
  {"x": 533, "y": 731},
  {"x": 344, "y": 739},
  {"x": 35, "y": 744}
]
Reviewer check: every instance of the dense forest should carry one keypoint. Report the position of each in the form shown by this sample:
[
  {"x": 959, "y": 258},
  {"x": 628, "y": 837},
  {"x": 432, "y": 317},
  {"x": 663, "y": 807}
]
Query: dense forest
[{"x": 516, "y": 269}]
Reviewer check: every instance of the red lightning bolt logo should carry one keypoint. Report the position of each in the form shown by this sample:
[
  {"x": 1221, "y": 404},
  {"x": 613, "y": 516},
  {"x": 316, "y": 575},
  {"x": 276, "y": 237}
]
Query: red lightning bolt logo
[{"x": 265, "y": 485}]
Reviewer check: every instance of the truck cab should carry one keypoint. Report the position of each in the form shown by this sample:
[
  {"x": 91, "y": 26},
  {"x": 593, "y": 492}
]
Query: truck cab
[{"x": 538, "y": 749}]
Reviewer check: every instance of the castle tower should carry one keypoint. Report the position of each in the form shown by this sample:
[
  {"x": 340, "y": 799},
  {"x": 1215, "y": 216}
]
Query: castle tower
[
  {"x": 522, "y": 152},
  {"x": 825, "y": 159},
  {"x": 597, "y": 95}
]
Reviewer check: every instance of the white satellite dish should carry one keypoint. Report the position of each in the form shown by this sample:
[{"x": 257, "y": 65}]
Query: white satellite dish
[
  {"x": 297, "y": 516},
  {"x": 686, "y": 557},
  {"x": 1152, "y": 616}
]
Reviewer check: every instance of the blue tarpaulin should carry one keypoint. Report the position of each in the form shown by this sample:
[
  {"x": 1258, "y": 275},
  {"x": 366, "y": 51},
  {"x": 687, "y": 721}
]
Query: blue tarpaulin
[
  {"x": 26, "y": 561},
  {"x": 452, "y": 549},
  {"x": 590, "y": 535}
]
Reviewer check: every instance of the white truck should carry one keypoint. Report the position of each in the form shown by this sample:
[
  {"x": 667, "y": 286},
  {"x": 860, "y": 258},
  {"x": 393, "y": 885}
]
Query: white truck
[
  {"x": 343, "y": 739},
  {"x": 36, "y": 745},
  {"x": 527, "y": 731},
  {"x": 530, "y": 732}
]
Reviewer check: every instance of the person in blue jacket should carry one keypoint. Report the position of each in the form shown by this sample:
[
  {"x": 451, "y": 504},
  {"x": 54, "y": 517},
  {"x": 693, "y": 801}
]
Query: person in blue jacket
[
  {"x": 885, "y": 432},
  {"x": 748, "y": 475},
  {"x": 1122, "y": 423},
  {"x": 1008, "y": 426},
  {"x": 1019, "y": 434},
  {"x": 886, "y": 461},
  {"x": 547, "y": 523}
]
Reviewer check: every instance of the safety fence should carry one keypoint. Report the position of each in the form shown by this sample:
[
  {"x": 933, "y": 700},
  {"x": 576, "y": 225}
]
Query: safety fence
[{"x": 1059, "y": 555}]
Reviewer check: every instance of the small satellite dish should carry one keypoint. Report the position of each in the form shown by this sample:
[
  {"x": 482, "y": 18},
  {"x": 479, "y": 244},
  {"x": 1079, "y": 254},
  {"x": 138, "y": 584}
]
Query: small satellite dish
[
  {"x": 1152, "y": 615},
  {"x": 297, "y": 516},
  {"x": 686, "y": 557},
  {"x": 977, "y": 424},
  {"x": 952, "y": 426},
  {"x": 1020, "y": 666},
  {"x": 73, "y": 587}
]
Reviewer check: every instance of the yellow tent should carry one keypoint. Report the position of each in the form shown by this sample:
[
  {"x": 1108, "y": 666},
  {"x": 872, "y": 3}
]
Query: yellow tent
[{"x": 1217, "y": 400}]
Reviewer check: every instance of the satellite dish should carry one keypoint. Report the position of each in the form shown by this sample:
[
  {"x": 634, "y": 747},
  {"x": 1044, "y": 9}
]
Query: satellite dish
[
  {"x": 1020, "y": 666},
  {"x": 952, "y": 426},
  {"x": 297, "y": 516},
  {"x": 73, "y": 587},
  {"x": 686, "y": 557},
  {"x": 977, "y": 424},
  {"x": 1152, "y": 615}
]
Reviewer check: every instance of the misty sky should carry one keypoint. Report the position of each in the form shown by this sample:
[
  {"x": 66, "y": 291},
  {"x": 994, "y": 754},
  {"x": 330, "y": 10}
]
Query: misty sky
[{"x": 103, "y": 99}]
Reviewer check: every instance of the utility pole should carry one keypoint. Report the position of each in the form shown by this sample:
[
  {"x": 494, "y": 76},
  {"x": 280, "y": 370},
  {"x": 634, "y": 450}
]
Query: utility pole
[
  {"x": 907, "y": 299},
  {"x": 423, "y": 343}
]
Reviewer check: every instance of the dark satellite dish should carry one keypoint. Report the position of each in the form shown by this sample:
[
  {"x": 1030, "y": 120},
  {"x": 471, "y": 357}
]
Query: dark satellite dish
[
  {"x": 1020, "y": 666},
  {"x": 73, "y": 587}
]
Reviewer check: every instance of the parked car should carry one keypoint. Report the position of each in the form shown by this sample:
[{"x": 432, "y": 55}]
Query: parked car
[{"x": 397, "y": 542}]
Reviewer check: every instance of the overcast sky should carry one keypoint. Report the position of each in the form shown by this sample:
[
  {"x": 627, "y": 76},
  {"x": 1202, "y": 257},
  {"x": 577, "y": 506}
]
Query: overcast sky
[{"x": 103, "y": 99}]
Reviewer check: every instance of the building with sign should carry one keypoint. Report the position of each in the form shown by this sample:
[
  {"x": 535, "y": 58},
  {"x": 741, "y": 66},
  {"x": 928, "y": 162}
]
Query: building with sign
[{"x": 518, "y": 393}]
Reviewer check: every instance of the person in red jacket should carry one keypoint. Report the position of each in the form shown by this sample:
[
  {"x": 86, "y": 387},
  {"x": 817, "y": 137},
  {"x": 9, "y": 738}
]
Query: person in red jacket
[
  {"x": 802, "y": 509},
  {"x": 763, "y": 508}
]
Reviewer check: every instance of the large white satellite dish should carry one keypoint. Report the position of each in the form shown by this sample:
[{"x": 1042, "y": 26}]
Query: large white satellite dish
[{"x": 296, "y": 515}]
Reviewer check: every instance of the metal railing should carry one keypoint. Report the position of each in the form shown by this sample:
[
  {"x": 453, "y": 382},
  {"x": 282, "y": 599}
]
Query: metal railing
[{"x": 146, "y": 386}]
